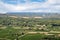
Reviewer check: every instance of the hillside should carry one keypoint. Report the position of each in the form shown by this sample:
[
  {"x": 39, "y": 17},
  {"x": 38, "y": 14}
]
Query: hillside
[{"x": 16, "y": 26}]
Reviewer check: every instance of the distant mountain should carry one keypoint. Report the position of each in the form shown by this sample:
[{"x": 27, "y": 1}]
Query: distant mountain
[
  {"x": 27, "y": 13},
  {"x": 34, "y": 14},
  {"x": 30, "y": 14}
]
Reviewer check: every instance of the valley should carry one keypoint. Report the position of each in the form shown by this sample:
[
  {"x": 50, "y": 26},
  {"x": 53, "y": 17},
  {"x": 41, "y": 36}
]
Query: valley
[{"x": 16, "y": 27}]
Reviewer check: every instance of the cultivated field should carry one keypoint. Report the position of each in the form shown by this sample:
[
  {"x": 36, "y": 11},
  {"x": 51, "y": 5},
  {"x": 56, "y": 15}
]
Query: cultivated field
[{"x": 15, "y": 28}]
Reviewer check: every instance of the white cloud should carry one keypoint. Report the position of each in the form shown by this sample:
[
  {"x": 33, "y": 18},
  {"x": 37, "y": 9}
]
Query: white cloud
[{"x": 48, "y": 6}]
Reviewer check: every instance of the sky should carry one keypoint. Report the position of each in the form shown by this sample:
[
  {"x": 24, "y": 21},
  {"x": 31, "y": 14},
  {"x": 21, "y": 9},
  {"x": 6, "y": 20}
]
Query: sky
[{"x": 50, "y": 6}]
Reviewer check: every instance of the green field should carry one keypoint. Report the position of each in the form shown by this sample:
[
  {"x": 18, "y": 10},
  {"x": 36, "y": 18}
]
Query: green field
[
  {"x": 39, "y": 37},
  {"x": 29, "y": 29}
]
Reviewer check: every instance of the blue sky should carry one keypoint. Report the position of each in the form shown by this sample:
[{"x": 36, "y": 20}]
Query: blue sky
[
  {"x": 21, "y": 1},
  {"x": 30, "y": 6}
]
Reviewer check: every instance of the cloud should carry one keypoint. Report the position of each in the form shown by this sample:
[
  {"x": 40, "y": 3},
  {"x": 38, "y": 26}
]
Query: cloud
[{"x": 28, "y": 6}]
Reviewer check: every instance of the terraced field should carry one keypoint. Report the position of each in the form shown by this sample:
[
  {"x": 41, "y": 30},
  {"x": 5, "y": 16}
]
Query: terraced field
[{"x": 29, "y": 29}]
